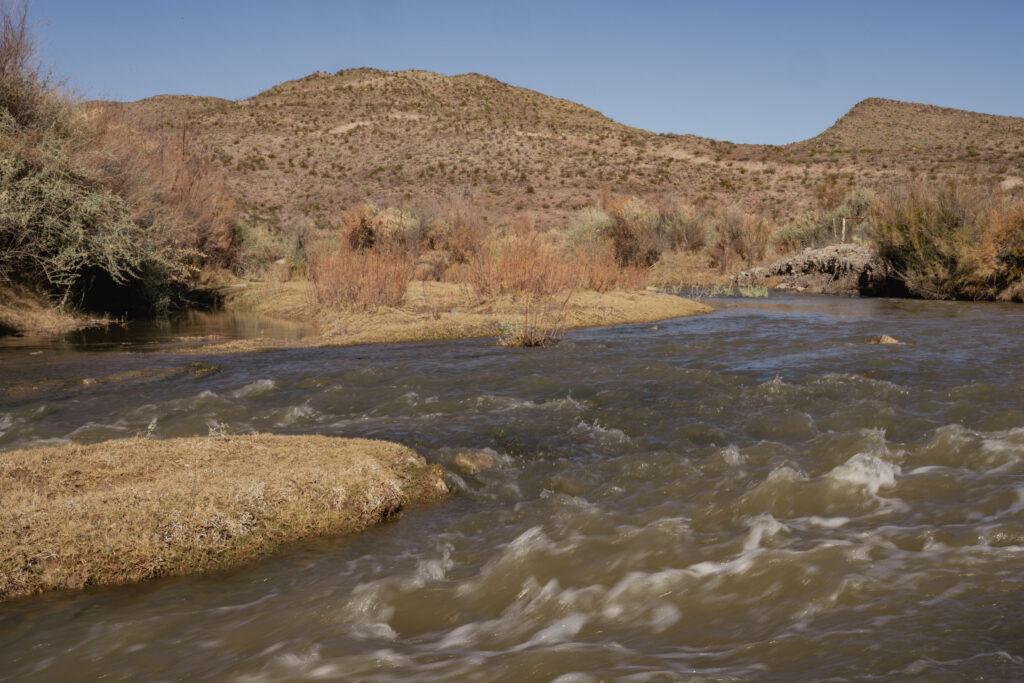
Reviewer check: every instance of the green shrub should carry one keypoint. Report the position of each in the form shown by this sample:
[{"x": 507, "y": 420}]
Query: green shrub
[
  {"x": 955, "y": 240},
  {"x": 819, "y": 228}
]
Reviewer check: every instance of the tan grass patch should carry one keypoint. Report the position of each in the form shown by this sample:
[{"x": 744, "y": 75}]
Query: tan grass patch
[
  {"x": 24, "y": 312},
  {"x": 127, "y": 511},
  {"x": 441, "y": 310}
]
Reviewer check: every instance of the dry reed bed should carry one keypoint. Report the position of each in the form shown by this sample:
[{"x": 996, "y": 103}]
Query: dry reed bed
[
  {"x": 529, "y": 274},
  {"x": 127, "y": 511}
]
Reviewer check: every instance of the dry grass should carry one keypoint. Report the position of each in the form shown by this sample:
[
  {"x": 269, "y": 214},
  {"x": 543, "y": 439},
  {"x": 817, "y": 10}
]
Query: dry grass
[
  {"x": 26, "y": 312},
  {"x": 686, "y": 269},
  {"x": 440, "y": 310},
  {"x": 132, "y": 510}
]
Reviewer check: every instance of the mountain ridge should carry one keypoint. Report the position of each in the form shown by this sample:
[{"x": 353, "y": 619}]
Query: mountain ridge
[{"x": 315, "y": 145}]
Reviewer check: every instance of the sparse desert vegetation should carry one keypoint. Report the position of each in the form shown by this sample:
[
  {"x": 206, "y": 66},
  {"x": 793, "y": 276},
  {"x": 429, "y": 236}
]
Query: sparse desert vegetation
[
  {"x": 364, "y": 181},
  {"x": 954, "y": 240}
]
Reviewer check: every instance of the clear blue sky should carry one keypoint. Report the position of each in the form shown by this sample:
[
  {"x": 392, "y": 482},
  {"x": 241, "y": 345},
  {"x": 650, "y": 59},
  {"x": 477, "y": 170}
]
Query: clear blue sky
[{"x": 769, "y": 72}]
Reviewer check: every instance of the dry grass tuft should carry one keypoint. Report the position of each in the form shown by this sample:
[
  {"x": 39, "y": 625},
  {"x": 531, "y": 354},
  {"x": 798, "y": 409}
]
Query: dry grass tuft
[
  {"x": 24, "y": 311},
  {"x": 128, "y": 511}
]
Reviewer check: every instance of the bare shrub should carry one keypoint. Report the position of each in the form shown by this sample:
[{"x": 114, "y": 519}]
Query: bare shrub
[
  {"x": 636, "y": 232},
  {"x": 358, "y": 225},
  {"x": 168, "y": 186},
  {"x": 684, "y": 227},
  {"x": 94, "y": 212},
  {"x": 522, "y": 262},
  {"x": 542, "y": 322},
  {"x": 739, "y": 237},
  {"x": 27, "y": 92},
  {"x": 465, "y": 233},
  {"x": 596, "y": 264},
  {"x": 527, "y": 266},
  {"x": 360, "y": 279}
]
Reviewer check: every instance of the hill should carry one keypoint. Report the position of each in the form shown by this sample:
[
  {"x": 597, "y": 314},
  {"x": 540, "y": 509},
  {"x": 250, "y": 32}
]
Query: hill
[{"x": 316, "y": 145}]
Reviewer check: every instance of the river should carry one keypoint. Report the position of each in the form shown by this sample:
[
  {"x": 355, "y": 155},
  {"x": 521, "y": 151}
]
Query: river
[{"x": 752, "y": 494}]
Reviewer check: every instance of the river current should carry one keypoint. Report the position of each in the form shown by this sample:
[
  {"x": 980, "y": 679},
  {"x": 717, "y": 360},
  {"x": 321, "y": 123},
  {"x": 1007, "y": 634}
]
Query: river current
[{"x": 752, "y": 494}]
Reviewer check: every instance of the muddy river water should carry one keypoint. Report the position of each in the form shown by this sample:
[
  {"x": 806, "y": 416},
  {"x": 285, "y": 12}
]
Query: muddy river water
[{"x": 753, "y": 494}]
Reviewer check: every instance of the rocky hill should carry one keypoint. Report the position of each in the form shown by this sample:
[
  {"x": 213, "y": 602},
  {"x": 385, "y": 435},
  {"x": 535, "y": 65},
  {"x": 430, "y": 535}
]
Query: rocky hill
[{"x": 329, "y": 141}]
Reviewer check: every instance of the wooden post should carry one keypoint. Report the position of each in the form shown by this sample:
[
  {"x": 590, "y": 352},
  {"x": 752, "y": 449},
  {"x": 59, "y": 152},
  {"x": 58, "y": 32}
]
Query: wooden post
[{"x": 849, "y": 218}]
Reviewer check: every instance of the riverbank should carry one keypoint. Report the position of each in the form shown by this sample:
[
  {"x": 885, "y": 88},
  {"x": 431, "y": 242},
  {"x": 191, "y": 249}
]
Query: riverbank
[
  {"x": 24, "y": 312},
  {"x": 436, "y": 311},
  {"x": 127, "y": 511}
]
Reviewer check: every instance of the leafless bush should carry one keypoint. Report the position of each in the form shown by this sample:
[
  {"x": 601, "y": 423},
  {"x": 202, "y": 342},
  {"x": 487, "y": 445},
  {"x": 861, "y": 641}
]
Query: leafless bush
[
  {"x": 740, "y": 237},
  {"x": 360, "y": 279}
]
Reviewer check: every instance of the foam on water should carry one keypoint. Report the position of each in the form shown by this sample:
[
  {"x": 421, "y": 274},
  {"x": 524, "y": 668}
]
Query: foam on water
[
  {"x": 299, "y": 413},
  {"x": 562, "y": 631},
  {"x": 866, "y": 471},
  {"x": 257, "y": 388},
  {"x": 594, "y": 429},
  {"x": 732, "y": 456},
  {"x": 762, "y": 528},
  {"x": 660, "y": 508}
]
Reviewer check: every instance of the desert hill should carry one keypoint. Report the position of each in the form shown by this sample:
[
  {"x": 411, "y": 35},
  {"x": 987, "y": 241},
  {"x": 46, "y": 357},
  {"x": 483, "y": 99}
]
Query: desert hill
[{"x": 330, "y": 141}]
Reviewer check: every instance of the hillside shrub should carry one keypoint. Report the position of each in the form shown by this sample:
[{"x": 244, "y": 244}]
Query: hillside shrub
[
  {"x": 685, "y": 228},
  {"x": 739, "y": 237},
  {"x": 637, "y": 233}
]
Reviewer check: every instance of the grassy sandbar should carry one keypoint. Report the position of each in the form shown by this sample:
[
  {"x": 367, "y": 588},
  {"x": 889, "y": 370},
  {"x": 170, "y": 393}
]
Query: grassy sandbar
[{"x": 126, "y": 511}]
